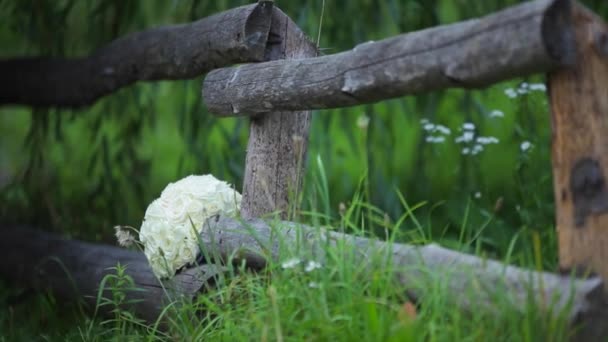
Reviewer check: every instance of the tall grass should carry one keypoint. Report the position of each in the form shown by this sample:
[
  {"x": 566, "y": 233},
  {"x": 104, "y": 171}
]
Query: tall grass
[{"x": 298, "y": 297}]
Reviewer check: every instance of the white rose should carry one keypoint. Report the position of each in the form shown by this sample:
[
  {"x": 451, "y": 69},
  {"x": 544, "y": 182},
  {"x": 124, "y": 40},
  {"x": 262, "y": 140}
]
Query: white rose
[{"x": 172, "y": 222}]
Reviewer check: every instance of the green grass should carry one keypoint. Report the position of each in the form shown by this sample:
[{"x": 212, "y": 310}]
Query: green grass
[
  {"x": 81, "y": 172},
  {"x": 343, "y": 300}
]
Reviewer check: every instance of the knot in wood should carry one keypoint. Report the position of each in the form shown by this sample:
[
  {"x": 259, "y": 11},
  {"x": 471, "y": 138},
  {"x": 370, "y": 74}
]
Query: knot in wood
[
  {"x": 588, "y": 189},
  {"x": 601, "y": 43}
]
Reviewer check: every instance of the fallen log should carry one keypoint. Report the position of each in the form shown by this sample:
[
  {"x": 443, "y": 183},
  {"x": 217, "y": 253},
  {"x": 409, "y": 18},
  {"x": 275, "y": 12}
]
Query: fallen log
[
  {"x": 256, "y": 241},
  {"x": 74, "y": 270},
  {"x": 30, "y": 258},
  {"x": 163, "y": 53},
  {"x": 533, "y": 37}
]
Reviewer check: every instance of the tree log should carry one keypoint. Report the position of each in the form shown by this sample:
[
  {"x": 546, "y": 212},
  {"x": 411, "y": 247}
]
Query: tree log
[
  {"x": 278, "y": 141},
  {"x": 163, "y": 53},
  {"x": 533, "y": 37},
  {"x": 417, "y": 268},
  {"x": 74, "y": 270},
  {"x": 579, "y": 107}
]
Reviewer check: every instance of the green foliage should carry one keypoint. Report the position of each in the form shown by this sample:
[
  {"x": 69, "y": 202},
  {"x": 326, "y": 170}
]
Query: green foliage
[
  {"x": 302, "y": 298},
  {"x": 83, "y": 171}
]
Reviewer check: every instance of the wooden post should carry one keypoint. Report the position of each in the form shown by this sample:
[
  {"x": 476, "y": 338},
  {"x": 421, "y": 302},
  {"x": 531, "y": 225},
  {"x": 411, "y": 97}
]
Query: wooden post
[
  {"x": 277, "y": 140},
  {"x": 579, "y": 106}
]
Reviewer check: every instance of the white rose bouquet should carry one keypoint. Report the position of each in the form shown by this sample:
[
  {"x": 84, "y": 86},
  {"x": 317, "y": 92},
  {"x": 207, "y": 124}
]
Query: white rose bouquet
[{"x": 172, "y": 222}]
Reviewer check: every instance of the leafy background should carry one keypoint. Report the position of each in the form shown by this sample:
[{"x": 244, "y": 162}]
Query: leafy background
[{"x": 80, "y": 172}]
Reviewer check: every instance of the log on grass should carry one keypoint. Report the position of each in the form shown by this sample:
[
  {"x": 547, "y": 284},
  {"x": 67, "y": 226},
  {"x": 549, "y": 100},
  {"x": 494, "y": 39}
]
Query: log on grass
[
  {"x": 74, "y": 270},
  {"x": 163, "y": 53},
  {"x": 533, "y": 37},
  {"x": 418, "y": 268}
]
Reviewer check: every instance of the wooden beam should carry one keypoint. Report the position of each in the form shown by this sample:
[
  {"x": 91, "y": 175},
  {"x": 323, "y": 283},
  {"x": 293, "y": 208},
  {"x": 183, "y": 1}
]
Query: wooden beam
[
  {"x": 163, "y": 53},
  {"x": 277, "y": 140},
  {"x": 579, "y": 108},
  {"x": 533, "y": 37}
]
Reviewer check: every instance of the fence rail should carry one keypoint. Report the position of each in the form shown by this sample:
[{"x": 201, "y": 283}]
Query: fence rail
[
  {"x": 534, "y": 37},
  {"x": 163, "y": 53},
  {"x": 560, "y": 37}
]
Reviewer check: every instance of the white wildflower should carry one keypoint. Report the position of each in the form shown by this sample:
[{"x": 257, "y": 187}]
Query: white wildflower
[
  {"x": 476, "y": 149},
  {"x": 496, "y": 114},
  {"x": 478, "y": 194},
  {"x": 435, "y": 140},
  {"x": 486, "y": 140},
  {"x": 314, "y": 285},
  {"x": 466, "y": 137},
  {"x": 172, "y": 222},
  {"x": 311, "y": 266},
  {"x": 442, "y": 129},
  {"x": 468, "y": 126},
  {"x": 363, "y": 121},
  {"x": 526, "y": 145},
  {"x": 466, "y": 151},
  {"x": 511, "y": 93},
  {"x": 290, "y": 263},
  {"x": 538, "y": 87},
  {"x": 428, "y": 127}
]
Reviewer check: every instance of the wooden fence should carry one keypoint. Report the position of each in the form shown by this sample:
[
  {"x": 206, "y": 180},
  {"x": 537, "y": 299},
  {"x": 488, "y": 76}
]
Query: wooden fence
[{"x": 285, "y": 79}]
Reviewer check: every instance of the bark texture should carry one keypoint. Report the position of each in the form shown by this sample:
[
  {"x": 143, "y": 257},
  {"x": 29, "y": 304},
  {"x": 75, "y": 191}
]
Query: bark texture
[
  {"x": 74, "y": 270},
  {"x": 529, "y": 38},
  {"x": 278, "y": 141},
  {"x": 164, "y": 53},
  {"x": 419, "y": 267},
  {"x": 579, "y": 108}
]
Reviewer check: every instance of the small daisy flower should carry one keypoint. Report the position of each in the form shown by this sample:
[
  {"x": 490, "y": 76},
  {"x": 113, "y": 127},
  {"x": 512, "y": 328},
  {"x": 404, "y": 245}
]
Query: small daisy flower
[
  {"x": 526, "y": 145},
  {"x": 496, "y": 114},
  {"x": 363, "y": 121},
  {"x": 290, "y": 263},
  {"x": 511, "y": 93},
  {"x": 311, "y": 266}
]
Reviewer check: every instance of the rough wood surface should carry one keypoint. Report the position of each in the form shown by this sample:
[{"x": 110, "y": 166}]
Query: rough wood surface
[
  {"x": 418, "y": 267},
  {"x": 169, "y": 52},
  {"x": 74, "y": 269},
  {"x": 529, "y": 38},
  {"x": 579, "y": 107},
  {"x": 277, "y": 140}
]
